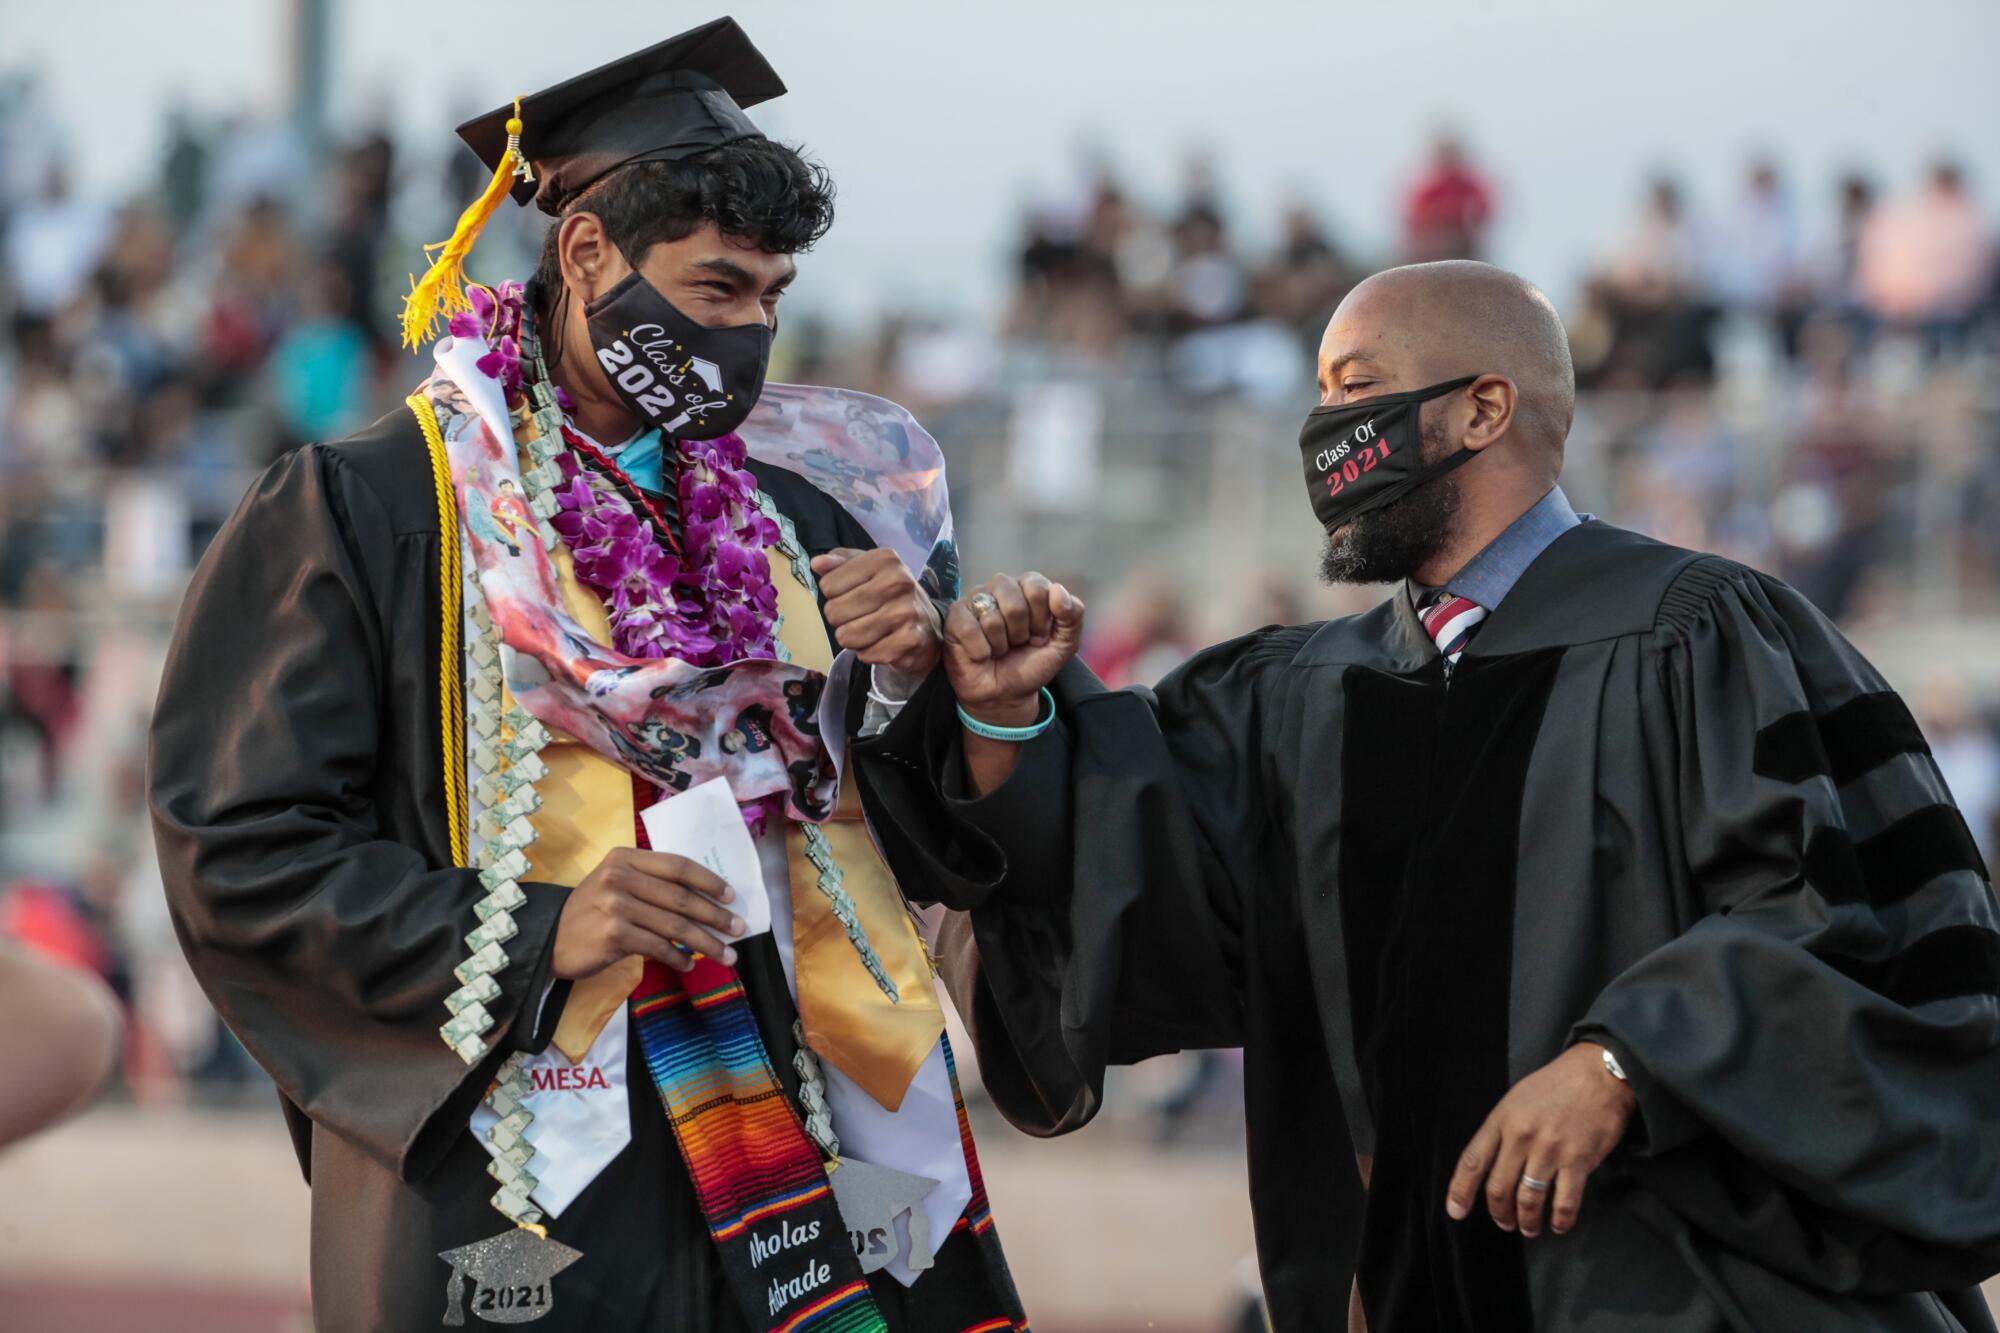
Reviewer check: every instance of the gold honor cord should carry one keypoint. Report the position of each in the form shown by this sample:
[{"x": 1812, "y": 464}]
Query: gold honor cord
[{"x": 451, "y": 698}]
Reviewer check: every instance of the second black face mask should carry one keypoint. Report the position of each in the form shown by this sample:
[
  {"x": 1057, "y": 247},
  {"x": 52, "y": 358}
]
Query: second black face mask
[
  {"x": 1360, "y": 456},
  {"x": 690, "y": 381}
]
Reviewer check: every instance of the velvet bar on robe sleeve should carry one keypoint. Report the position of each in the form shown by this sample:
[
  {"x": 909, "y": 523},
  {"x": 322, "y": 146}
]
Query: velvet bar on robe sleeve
[{"x": 1816, "y": 1054}]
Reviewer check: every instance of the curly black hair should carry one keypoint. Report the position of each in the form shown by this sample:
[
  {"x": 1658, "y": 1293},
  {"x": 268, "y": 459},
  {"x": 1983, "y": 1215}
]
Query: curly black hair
[{"x": 757, "y": 190}]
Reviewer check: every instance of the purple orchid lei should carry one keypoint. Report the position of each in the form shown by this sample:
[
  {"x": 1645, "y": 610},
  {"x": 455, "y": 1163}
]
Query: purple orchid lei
[
  {"x": 709, "y": 603},
  {"x": 712, "y": 603}
]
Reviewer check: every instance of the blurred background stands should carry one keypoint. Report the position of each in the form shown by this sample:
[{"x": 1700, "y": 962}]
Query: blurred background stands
[{"x": 1803, "y": 381}]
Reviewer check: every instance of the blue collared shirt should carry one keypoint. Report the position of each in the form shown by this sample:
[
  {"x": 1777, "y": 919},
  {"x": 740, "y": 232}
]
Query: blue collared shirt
[
  {"x": 643, "y": 459},
  {"x": 1488, "y": 577}
]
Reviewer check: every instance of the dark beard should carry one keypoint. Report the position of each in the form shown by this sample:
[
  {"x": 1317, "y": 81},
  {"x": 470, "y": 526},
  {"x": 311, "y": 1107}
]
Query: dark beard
[{"x": 1391, "y": 543}]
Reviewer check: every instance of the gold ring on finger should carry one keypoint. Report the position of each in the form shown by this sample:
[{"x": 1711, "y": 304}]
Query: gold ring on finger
[{"x": 983, "y": 605}]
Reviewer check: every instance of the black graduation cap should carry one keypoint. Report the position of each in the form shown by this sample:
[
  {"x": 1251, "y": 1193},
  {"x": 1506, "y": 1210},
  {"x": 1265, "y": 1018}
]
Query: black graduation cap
[{"x": 672, "y": 100}]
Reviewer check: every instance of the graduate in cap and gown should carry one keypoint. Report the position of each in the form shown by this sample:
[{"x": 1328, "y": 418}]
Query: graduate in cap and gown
[
  {"x": 1606, "y": 951},
  {"x": 427, "y": 680}
]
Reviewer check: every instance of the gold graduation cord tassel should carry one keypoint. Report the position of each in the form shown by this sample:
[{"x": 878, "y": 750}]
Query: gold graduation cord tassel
[{"x": 440, "y": 293}]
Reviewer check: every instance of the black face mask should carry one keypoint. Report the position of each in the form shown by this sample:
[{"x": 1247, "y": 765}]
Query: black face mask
[
  {"x": 1361, "y": 456},
  {"x": 690, "y": 381}
]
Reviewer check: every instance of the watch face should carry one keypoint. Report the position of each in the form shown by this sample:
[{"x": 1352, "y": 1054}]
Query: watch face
[{"x": 1612, "y": 1067}]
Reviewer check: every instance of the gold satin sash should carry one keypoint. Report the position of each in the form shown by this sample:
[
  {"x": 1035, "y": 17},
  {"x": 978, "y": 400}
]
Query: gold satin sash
[{"x": 878, "y": 1042}]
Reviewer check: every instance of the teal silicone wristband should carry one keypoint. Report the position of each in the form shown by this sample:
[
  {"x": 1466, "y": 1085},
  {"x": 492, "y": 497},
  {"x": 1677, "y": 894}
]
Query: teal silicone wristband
[{"x": 1027, "y": 733}]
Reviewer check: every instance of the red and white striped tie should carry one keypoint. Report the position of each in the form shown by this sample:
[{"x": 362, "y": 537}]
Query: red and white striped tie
[{"x": 1450, "y": 621}]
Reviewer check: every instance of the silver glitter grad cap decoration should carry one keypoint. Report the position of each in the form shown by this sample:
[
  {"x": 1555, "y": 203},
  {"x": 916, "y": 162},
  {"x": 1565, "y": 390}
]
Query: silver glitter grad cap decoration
[
  {"x": 870, "y": 1198},
  {"x": 513, "y": 1277}
]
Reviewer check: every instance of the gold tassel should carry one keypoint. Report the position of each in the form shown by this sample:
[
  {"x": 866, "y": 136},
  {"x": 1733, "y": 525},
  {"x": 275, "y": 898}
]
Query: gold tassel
[{"x": 440, "y": 293}]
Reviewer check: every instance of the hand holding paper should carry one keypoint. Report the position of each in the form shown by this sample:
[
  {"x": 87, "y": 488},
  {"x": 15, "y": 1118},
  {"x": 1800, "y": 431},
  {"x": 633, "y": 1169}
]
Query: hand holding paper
[
  {"x": 654, "y": 904},
  {"x": 704, "y": 825}
]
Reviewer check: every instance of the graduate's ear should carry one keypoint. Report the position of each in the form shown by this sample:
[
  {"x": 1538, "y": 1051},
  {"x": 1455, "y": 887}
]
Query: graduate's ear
[
  {"x": 591, "y": 264},
  {"x": 1492, "y": 400}
]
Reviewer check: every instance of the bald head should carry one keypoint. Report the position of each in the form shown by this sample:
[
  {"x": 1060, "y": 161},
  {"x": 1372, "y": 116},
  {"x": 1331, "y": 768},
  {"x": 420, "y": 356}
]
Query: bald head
[{"x": 1407, "y": 328}]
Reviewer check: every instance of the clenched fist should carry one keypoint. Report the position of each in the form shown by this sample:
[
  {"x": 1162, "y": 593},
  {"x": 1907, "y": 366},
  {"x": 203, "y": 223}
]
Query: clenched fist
[
  {"x": 1007, "y": 640},
  {"x": 644, "y": 903},
  {"x": 876, "y": 607}
]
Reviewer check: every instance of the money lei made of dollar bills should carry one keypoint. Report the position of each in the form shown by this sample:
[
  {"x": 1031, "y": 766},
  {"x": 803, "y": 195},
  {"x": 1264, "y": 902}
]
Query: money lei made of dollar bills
[
  {"x": 816, "y": 1113},
  {"x": 504, "y": 764}
]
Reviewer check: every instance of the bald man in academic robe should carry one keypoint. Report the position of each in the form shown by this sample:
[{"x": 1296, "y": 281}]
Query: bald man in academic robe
[{"x": 1606, "y": 950}]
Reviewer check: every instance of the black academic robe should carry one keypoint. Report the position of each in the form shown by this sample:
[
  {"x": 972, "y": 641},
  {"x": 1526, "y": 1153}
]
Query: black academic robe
[
  {"x": 1660, "y": 804},
  {"x": 298, "y": 798}
]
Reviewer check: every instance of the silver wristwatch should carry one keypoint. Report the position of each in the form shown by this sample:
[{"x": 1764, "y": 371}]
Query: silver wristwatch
[{"x": 1612, "y": 1067}]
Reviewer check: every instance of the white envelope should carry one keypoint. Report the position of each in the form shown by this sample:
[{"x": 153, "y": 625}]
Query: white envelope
[{"x": 703, "y": 824}]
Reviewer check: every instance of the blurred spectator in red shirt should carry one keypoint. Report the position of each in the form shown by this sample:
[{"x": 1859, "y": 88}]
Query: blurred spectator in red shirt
[{"x": 1448, "y": 206}]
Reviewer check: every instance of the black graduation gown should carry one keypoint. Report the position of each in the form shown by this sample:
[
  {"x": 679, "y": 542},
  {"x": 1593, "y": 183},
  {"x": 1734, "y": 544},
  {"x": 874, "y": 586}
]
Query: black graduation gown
[
  {"x": 1660, "y": 804},
  {"x": 298, "y": 804}
]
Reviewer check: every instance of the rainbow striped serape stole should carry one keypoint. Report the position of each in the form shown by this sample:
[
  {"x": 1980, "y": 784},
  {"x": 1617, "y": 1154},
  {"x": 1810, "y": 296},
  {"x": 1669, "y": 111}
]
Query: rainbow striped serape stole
[{"x": 760, "y": 1181}]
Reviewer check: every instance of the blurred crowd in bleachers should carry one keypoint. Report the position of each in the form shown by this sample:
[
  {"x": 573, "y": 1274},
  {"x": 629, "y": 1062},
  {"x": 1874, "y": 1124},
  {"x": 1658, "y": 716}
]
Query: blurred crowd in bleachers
[{"x": 1803, "y": 379}]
